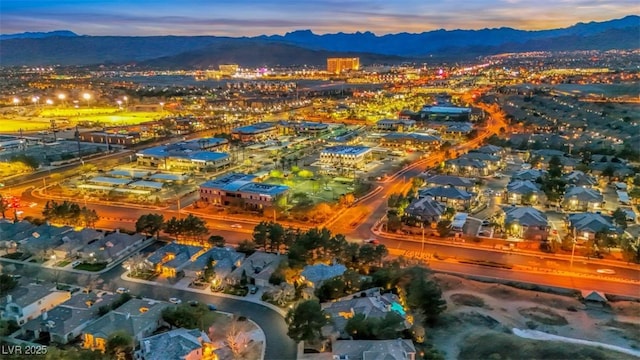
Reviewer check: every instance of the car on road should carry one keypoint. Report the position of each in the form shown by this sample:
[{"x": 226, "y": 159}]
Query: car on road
[
  {"x": 122, "y": 290},
  {"x": 236, "y": 226},
  {"x": 372, "y": 241},
  {"x": 175, "y": 301},
  {"x": 606, "y": 271},
  {"x": 212, "y": 307}
]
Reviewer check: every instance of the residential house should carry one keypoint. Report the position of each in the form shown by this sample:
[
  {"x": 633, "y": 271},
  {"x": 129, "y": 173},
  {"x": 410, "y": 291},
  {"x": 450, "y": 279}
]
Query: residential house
[
  {"x": 397, "y": 349},
  {"x": 137, "y": 318},
  {"x": 73, "y": 242},
  {"x": 449, "y": 196},
  {"x": 8, "y": 230},
  {"x": 257, "y": 268},
  {"x": 578, "y": 178},
  {"x": 315, "y": 275},
  {"x": 545, "y": 155},
  {"x": 371, "y": 305},
  {"x": 466, "y": 167},
  {"x": 491, "y": 150},
  {"x": 225, "y": 260},
  {"x": 110, "y": 247},
  {"x": 582, "y": 199},
  {"x": 460, "y": 183},
  {"x": 528, "y": 174},
  {"x": 620, "y": 170},
  {"x": 29, "y": 301},
  {"x": 526, "y": 223},
  {"x": 177, "y": 344},
  {"x": 425, "y": 210},
  {"x": 523, "y": 192},
  {"x": 66, "y": 321},
  {"x": 170, "y": 259},
  {"x": 586, "y": 225},
  {"x": 493, "y": 162},
  {"x": 41, "y": 239}
]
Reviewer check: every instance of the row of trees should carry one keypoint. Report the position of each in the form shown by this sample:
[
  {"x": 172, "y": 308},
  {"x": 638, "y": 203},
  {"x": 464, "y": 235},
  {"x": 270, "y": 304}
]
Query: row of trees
[
  {"x": 69, "y": 213},
  {"x": 191, "y": 226}
]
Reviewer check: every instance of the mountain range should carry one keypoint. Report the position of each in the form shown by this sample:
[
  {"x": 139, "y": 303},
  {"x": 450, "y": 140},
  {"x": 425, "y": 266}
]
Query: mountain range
[{"x": 304, "y": 47}]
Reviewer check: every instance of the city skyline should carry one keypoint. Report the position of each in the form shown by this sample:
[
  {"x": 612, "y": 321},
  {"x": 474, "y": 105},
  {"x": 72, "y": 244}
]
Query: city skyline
[{"x": 246, "y": 18}]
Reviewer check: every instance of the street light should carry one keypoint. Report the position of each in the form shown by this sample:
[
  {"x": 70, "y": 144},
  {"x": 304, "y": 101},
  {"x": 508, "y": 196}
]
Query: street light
[
  {"x": 49, "y": 102},
  {"x": 87, "y": 97},
  {"x": 16, "y": 101}
]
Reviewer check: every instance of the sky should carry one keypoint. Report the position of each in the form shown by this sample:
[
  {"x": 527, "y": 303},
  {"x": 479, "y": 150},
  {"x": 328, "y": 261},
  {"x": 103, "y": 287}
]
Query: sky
[{"x": 256, "y": 17}]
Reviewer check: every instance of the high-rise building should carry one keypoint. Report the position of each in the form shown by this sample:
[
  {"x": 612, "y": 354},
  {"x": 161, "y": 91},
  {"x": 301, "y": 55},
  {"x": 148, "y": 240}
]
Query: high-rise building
[
  {"x": 338, "y": 65},
  {"x": 228, "y": 69}
]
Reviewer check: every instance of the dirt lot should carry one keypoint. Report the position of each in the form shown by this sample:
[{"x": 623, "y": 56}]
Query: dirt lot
[{"x": 480, "y": 317}]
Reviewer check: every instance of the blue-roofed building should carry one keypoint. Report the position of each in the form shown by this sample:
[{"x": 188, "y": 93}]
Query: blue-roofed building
[
  {"x": 454, "y": 113},
  {"x": 256, "y": 132},
  {"x": 241, "y": 190},
  {"x": 192, "y": 154},
  {"x": 345, "y": 158}
]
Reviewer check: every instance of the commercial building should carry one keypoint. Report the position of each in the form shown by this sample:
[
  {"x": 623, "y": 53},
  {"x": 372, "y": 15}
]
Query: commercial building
[
  {"x": 241, "y": 190},
  {"x": 128, "y": 139},
  {"x": 228, "y": 69},
  {"x": 339, "y": 65},
  {"x": 396, "y": 125},
  {"x": 446, "y": 113},
  {"x": 190, "y": 155},
  {"x": 411, "y": 141},
  {"x": 256, "y": 132},
  {"x": 345, "y": 158}
]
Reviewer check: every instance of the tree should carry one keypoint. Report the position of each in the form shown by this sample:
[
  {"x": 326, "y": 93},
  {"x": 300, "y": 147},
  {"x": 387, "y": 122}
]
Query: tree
[
  {"x": 216, "y": 240},
  {"x": 306, "y": 174},
  {"x": 8, "y": 327},
  {"x": 620, "y": 218},
  {"x": 555, "y": 167},
  {"x": 193, "y": 226},
  {"x": 305, "y": 321},
  {"x": 247, "y": 247},
  {"x": 609, "y": 171},
  {"x": 119, "y": 344},
  {"x": 150, "y": 224},
  {"x": 444, "y": 228},
  {"x": 173, "y": 227},
  {"x": 261, "y": 234},
  {"x": 386, "y": 328},
  {"x": 7, "y": 283},
  {"x": 88, "y": 217},
  {"x": 425, "y": 297}
]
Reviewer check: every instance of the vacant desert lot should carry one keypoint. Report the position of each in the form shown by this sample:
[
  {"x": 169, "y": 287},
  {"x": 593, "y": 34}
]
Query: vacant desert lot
[{"x": 480, "y": 317}]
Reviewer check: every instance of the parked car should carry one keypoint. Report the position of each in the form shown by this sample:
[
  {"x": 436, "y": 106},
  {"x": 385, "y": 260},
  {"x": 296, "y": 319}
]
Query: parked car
[
  {"x": 253, "y": 290},
  {"x": 175, "y": 301},
  {"x": 76, "y": 263},
  {"x": 193, "y": 303},
  {"x": 486, "y": 222},
  {"x": 212, "y": 307},
  {"x": 122, "y": 290}
]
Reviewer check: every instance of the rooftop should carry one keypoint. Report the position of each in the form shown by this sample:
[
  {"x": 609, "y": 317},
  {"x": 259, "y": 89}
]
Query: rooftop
[
  {"x": 173, "y": 345},
  {"x": 525, "y": 215},
  {"x": 255, "y": 128},
  {"x": 346, "y": 150}
]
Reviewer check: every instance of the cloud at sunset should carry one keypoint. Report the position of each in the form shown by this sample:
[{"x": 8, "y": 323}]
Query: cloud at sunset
[{"x": 253, "y": 17}]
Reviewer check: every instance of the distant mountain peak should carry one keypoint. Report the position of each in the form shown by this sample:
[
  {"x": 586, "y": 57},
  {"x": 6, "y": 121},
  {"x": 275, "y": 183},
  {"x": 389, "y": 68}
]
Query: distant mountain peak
[{"x": 38, "y": 35}]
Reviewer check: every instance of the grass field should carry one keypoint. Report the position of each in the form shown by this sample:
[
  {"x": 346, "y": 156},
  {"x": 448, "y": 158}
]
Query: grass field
[{"x": 104, "y": 116}]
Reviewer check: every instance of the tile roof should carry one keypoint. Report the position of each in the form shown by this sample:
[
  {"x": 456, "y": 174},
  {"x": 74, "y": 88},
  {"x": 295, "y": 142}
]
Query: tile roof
[
  {"x": 173, "y": 345},
  {"x": 525, "y": 215}
]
